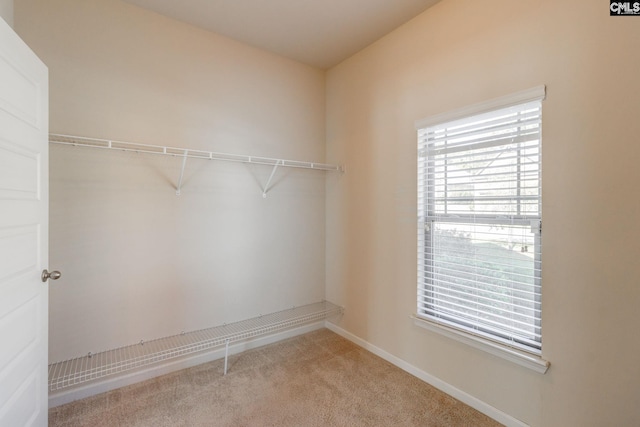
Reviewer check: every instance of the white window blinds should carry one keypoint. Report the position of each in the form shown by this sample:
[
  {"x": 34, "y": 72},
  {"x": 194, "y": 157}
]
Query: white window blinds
[{"x": 479, "y": 233}]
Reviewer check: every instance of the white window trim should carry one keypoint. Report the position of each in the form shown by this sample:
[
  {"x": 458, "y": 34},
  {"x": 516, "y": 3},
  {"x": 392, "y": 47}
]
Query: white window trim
[
  {"x": 518, "y": 357},
  {"x": 537, "y": 93},
  {"x": 521, "y": 358}
]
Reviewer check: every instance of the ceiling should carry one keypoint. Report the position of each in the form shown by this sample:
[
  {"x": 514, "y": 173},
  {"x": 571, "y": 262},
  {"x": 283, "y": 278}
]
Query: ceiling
[{"x": 319, "y": 33}]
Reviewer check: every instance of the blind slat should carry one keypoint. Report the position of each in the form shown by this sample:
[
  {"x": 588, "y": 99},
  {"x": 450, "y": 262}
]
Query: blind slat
[
  {"x": 526, "y": 120},
  {"x": 447, "y": 270},
  {"x": 458, "y": 290},
  {"x": 526, "y": 341},
  {"x": 485, "y": 143},
  {"x": 507, "y": 324}
]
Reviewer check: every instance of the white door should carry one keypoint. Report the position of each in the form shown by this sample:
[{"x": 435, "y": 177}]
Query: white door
[{"x": 24, "y": 228}]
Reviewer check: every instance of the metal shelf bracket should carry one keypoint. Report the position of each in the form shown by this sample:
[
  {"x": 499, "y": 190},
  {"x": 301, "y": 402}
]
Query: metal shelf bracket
[
  {"x": 273, "y": 172},
  {"x": 184, "y": 163}
]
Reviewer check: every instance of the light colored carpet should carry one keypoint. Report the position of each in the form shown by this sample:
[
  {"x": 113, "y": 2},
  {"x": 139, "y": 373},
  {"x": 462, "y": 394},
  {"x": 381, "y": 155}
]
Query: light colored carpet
[{"x": 316, "y": 379}]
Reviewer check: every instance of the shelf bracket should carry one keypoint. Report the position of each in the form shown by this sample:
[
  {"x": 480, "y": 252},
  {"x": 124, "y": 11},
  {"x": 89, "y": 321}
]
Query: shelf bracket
[
  {"x": 226, "y": 355},
  {"x": 273, "y": 172},
  {"x": 184, "y": 163}
]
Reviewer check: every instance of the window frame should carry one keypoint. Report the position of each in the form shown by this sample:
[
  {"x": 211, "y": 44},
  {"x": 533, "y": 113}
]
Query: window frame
[{"x": 522, "y": 355}]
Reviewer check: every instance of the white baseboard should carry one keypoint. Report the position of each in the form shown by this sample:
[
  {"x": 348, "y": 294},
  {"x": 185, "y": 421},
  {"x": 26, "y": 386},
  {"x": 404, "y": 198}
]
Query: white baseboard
[
  {"x": 107, "y": 384},
  {"x": 462, "y": 396}
]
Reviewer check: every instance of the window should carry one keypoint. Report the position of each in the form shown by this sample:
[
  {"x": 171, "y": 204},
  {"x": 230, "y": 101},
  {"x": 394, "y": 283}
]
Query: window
[{"x": 479, "y": 213}]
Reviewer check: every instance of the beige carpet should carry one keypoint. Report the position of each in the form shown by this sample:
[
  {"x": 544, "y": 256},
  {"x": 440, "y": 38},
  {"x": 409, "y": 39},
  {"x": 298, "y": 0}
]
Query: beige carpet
[{"x": 317, "y": 379}]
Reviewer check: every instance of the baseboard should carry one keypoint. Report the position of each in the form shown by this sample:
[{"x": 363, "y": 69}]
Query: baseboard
[
  {"x": 107, "y": 384},
  {"x": 462, "y": 396}
]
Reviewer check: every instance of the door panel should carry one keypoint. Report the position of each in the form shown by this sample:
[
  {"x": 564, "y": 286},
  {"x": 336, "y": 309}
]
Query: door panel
[
  {"x": 18, "y": 172},
  {"x": 23, "y": 233}
]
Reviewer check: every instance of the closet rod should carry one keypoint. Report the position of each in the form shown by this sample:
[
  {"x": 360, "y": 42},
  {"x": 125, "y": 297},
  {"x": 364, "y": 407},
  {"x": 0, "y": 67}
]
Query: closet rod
[{"x": 81, "y": 141}]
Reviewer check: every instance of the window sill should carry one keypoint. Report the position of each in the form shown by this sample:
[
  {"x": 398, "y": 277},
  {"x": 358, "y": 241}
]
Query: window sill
[{"x": 520, "y": 358}]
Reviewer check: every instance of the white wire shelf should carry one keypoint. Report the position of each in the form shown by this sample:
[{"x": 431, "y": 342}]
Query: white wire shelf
[
  {"x": 92, "y": 367},
  {"x": 81, "y": 141},
  {"x": 186, "y": 153}
]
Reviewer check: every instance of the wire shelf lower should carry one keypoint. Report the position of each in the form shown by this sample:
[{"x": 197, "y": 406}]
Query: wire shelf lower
[{"x": 73, "y": 372}]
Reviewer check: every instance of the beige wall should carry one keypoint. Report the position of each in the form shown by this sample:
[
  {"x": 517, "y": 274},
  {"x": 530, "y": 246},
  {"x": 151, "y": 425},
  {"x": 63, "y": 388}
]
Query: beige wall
[
  {"x": 6, "y": 11},
  {"x": 138, "y": 262},
  {"x": 462, "y": 52}
]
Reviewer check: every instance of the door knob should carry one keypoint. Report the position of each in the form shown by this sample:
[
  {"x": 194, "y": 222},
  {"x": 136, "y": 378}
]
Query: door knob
[{"x": 54, "y": 275}]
